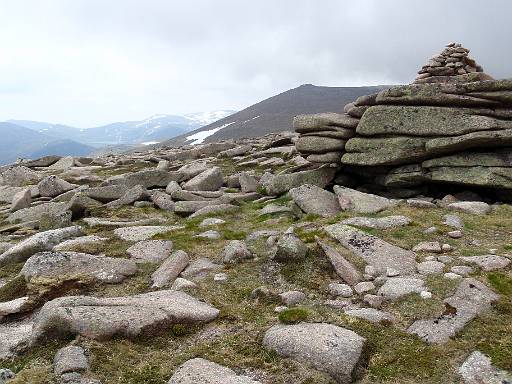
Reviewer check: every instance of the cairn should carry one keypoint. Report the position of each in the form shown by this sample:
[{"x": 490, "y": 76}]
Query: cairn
[
  {"x": 453, "y": 130},
  {"x": 453, "y": 64}
]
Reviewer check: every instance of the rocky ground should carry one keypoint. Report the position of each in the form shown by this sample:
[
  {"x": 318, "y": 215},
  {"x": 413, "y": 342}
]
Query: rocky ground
[{"x": 244, "y": 263}]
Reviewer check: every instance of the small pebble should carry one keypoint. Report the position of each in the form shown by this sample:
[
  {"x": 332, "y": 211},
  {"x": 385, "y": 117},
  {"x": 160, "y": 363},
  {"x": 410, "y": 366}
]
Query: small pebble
[
  {"x": 280, "y": 309},
  {"x": 446, "y": 247},
  {"x": 426, "y": 294},
  {"x": 220, "y": 277},
  {"x": 445, "y": 259},
  {"x": 391, "y": 272},
  {"x": 455, "y": 234},
  {"x": 364, "y": 286},
  {"x": 452, "y": 276}
]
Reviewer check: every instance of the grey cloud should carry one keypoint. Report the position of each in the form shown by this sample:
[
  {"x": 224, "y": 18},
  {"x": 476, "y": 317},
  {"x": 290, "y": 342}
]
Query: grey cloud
[{"x": 91, "y": 61}]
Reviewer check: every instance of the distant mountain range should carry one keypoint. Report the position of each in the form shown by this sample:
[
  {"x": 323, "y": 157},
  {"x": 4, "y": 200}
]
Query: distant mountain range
[
  {"x": 275, "y": 114},
  {"x": 32, "y": 139}
]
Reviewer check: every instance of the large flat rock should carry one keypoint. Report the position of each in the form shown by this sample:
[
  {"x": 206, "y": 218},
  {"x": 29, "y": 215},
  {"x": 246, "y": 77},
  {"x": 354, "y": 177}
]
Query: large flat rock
[
  {"x": 201, "y": 371},
  {"x": 127, "y": 317},
  {"x": 329, "y": 348},
  {"x": 374, "y": 251}
]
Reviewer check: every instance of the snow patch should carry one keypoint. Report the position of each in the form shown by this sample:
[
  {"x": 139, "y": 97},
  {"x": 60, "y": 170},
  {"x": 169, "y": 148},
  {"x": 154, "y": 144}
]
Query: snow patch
[
  {"x": 150, "y": 142},
  {"x": 200, "y": 137}
]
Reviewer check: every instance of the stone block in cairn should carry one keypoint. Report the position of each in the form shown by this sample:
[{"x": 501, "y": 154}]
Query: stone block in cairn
[{"x": 323, "y": 135}]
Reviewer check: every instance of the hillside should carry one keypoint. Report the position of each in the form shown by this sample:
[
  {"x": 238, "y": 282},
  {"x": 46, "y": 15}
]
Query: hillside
[
  {"x": 276, "y": 113},
  {"x": 18, "y": 141}
]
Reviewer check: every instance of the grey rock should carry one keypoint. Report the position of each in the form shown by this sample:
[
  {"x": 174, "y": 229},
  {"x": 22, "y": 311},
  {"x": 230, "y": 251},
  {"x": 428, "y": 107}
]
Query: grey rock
[
  {"x": 473, "y": 207},
  {"x": 373, "y": 250},
  {"x": 215, "y": 209},
  {"x": 315, "y": 200},
  {"x": 279, "y": 184},
  {"x": 211, "y": 221},
  {"x": 127, "y": 317},
  {"x": 274, "y": 209},
  {"x": 289, "y": 248},
  {"x": 55, "y": 220},
  {"x": 70, "y": 359},
  {"x": 396, "y": 287},
  {"x": 202, "y": 371},
  {"x": 352, "y": 200},
  {"x": 170, "y": 269},
  {"x": 52, "y": 186},
  {"x": 135, "y": 193},
  {"x": 363, "y": 287},
  {"x": 78, "y": 243},
  {"x": 149, "y": 178},
  {"x": 488, "y": 262},
  {"x": 462, "y": 270},
  {"x": 328, "y": 348},
  {"x": 341, "y": 265},
  {"x": 40, "y": 242},
  {"x": 163, "y": 201},
  {"x": 21, "y": 200},
  {"x": 63, "y": 266},
  {"x": 430, "y": 267},
  {"x": 209, "y": 180},
  {"x": 236, "y": 251},
  {"x": 370, "y": 314},
  {"x": 106, "y": 193},
  {"x": 63, "y": 164},
  {"x": 343, "y": 290},
  {"x": 139, "y": 233},
  {"x": 428, "y": 246},
  {"x": 211, "y": 235},
  {"x": 453, "y": 221},
  {"x": 248, "y": 183},
  {"x": 188, "y": 171},
  {"x": 200, "y": 269},
  {"x": 34, "y": 213},
  {"x": 387, "y": 222},
  {"x": 471, "y": 298},
  {"x": 292, "y": 297},
  {"x": 6, "y": 375},
  {"x": 478, "y": 369},
  {"x": 18, "y": 176},
  {"x": 80, "y": 205},
  {"x": 152, "y": 251},
  {"x": 15, "y": 338}
]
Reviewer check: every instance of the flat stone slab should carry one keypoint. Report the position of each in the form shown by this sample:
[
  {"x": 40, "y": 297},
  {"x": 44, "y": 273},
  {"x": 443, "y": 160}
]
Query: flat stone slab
[
  {"x": 387, "y": 222},
  {"x": 397, "y": 287},
  {"x": 341, "y": 265},
  {"x": 471, "y": 298},
  {"x": 315, "y": 200},
  {"x": 70, "y": 359},
  {"x": 127, "y": 317},
  {"x": 14, "y": 338},
  {"x": 202, "y": 371},
  {"x": 488, "y": 262},
  {"x": 140, "y": 233},
  {"x": 353, "y": 200},
  {"x": 73, "y": 244},
  {"x": 150, "y": 251},
  {"x": 329, "y": 348},
  {"x": 473, "y": 207},
  {"x": 374, "y": 251},
  {"x": 478, "y": 369},
  {"x": 371, "y": 314},
  {"x": 63, "y": 266},
  {"x": 100, "y": 222},
  {"x": 40, "y": 242}
]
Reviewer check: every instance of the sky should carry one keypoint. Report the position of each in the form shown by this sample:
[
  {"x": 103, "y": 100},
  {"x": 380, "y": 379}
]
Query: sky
[{"x": 91, "y": 62}]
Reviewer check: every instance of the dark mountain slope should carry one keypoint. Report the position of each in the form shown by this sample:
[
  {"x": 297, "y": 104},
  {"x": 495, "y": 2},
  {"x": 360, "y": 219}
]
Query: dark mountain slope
[{"x": 276, "y": 113}]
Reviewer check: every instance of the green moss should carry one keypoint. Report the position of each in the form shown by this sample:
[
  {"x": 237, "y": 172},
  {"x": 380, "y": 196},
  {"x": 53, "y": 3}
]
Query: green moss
[
  {"x": 293, "y": 315},
  {"x": 233, "y": 235},
  {"x": 501, "y": 283},
  {"x": 14, "y": 289}
]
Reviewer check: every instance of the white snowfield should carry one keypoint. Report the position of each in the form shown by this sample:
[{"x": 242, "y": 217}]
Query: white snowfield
[{"x": 200, "y": 137}]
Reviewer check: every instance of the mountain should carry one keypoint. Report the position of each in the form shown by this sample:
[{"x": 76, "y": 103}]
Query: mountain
[
  {"x": 276, "y": 113},
  {"x": 148, "y": 131},
  {"x": 18, "y": 141}
]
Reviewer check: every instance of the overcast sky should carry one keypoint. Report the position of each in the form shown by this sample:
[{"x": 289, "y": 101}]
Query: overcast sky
[{"x": 91, "y": 62}]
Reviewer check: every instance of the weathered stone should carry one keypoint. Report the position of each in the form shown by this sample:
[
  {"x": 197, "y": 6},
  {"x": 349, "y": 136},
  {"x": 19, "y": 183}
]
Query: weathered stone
[
  {"x": 14, "y": 338},
  {"x": 341, "y": 265},
  {"x": 34, "y": 213},
  {"x": 170, "y": 269},
  {"x": 45, "y": 161},
  {"x": 373, "y": 250},
  {"x": 152, "y": 251},
  {"x": 289, "y": 248},
  {"x": 236, "y": 251},
  {"x": 328, "y": 348},
  {"x": 107, "y": 193},
  {"x": 428, "y": 246},
  {"x": 163, "y": 201},
  {"x": 139, "y": 233},
  {"x": 471, "y": 298},
  {"x": 473, "y": 207},
  {"x": 52, "y": 186},
  {"x": 127, "y": 317},
  {"x": 64, "y": 266},
  {"x": 248, "y": 183},
  {"x": 18, "y": 176},
  {"x": 292, "y": 297},
  {"x": 21, "y": 200},
  {"x": 279, "y": 184},
  {"x": 78, "y": 243},
  {"x": 209, "y": 180},
  {"x": 430, "y": 267},
  {"x": 370, "y": 314},
  {"x": 319, "y": 144},
  {"x": 70, "y": 359},
  {"x": 148, "y": 178},
  {"x": 198, "y": 371},
  {"x": 478, "y": 369},
  {"x": 315, "y": 200},
  {"x": 215, "y": 209},
  {"x": 40, "y": 242},
  {"x": 319, "y": 121},
  {"x": 488, "y": 262},
  {"x": 482, "y": 139},
  {"x": 396, "y": 287},
  {"x": 490, "y": 177},
  {"x": 353, "y": 200},
  {"x": 378, "y": 222},
  {"x": 200, "y": 269}
]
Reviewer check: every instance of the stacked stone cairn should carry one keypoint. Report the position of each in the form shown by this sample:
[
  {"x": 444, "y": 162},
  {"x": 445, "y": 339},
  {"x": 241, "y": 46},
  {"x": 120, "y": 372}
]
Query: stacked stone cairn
[
  {"x": 323, "y": 136},
  {"x": 453, "y": 134},
  {"x": 453, "y": 61}
]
